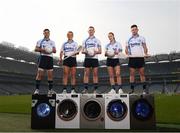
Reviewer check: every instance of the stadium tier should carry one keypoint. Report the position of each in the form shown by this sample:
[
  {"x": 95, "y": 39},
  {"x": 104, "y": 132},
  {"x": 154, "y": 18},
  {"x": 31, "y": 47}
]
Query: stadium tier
[{"x": 18, "y": 77}]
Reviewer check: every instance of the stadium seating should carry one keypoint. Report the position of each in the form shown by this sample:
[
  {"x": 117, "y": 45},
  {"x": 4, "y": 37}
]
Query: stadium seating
[{"x": 18, "y": 77}]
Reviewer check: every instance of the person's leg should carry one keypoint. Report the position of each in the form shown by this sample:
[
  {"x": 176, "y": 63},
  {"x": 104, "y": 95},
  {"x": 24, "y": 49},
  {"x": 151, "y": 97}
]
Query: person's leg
[
  {"x": 118, "y": 77},
  {"x": 39, "y": 76},
  {"x": 65, "y": 77},
  {"x": 95, "y": 78},
  {"x": 111, "y": 77},
  {"x": 142, "y": 78},
  {"x": 50, "y": 78},
  {"x": 132, "y": 78},
  {"x": 73, "y": 78},
  {"x": 86, "y": 78}
]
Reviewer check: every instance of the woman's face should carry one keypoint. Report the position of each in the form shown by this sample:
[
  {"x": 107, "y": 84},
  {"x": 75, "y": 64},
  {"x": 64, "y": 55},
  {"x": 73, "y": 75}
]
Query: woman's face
[{"x": 111, "y": 37}]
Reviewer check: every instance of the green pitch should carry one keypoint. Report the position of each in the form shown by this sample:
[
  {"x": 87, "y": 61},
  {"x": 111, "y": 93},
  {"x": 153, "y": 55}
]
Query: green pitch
[{"x": 15, "y": 112}]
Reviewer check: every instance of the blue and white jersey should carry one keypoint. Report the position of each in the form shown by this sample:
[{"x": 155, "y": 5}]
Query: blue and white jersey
[
  {"x": 43, "y": 43},
  {"x": 116, "y": 47},
  {"x": 68, "y": 48},
  {"x": 135, "y": 46},
  {"x": 92, "y": 43}
]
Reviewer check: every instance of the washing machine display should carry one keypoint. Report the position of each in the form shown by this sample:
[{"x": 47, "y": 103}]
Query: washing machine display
[
  {"x": 68, "y": 111},
  {"x": 43, "y": 112},
  {"x": 117, "y": 111},
  {"x": 142, "y": 112},
  {"x": 142, "y": 109},
  {"x": 92, "y": 111}
]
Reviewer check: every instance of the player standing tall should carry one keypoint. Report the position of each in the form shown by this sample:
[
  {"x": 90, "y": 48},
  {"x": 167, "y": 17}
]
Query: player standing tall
[
  {"x": 113, "y": 65},
  {"x": 46, "y": 47},
  {"x": 91, "y": 49},
  {"x": 136, "y": 49},
  {"x": 69, "y": 64}
]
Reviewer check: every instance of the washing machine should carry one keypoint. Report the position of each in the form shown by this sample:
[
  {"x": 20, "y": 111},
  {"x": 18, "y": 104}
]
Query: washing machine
[
  {"x": 142, "y": 115},
  {"x": 117, "y": 112},
  {"x": 67, "y": 111},
  {"x": 92, "y": 111},
  {"x": 43, "y": 111}
]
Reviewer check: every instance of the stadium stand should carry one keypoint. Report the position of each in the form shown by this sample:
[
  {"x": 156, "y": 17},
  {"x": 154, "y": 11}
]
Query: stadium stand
[{"x": 18, "y": 69}]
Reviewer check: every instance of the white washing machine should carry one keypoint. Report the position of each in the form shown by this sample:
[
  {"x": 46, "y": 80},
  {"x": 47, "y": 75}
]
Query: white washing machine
[
  {"x": 67, "y": 111},
  {"x": 117, "y": 113}
]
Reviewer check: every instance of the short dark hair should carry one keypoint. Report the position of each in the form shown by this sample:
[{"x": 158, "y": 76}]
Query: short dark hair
[
  {"x": 70, "y": 32},
  {"x": 91, "y": 27},
  {"x": 46, "y": 30},
  {"x": 134, "y": 26}
]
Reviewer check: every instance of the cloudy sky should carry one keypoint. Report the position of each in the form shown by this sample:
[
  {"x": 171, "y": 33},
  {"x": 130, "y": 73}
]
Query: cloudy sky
[{"x": 22, "y": 21}]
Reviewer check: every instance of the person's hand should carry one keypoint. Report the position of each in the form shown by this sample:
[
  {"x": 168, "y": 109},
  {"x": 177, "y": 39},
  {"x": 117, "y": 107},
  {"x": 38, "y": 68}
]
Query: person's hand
[
  {"x": 116, "y": 52},
  {"x": 44, "y": 51},
  {"x": 147, "y": 55}
]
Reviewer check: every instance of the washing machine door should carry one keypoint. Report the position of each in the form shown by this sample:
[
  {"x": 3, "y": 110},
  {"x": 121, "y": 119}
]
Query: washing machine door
[
  {"x": 67, "y": 110},
  {"x": 142, "y": 109},
  {"x": 43, "y": 110},
  {"x": 92, "y": 110},
  {"x": 117, "y": 110}
]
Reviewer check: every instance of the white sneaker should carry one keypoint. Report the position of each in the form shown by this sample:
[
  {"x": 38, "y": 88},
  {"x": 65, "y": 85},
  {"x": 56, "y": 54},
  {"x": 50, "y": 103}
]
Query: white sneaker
[
  {"x": 120, "y": 91},
  {"x": 95, "y": 92},
  {"x": 84, "y": 91},
  {"x": 73, "y": 91},
  {"x": 64, "y": 92},
  {"x": 112, "y": 91},
  {"x": 50, "y": 92},
  {"x": 145, "y": 92},
  {"x": 36, "y": 92}
]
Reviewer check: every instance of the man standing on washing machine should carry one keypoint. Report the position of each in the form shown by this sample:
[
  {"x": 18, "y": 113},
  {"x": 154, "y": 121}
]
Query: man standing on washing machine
[
  {"x": 137, "y": 50},
  {"x": 91, "y": 49},
  {"x": 113, "y": 65},
  {"x": 46, "y": 48},
  {"x": 69, "y": 64}
]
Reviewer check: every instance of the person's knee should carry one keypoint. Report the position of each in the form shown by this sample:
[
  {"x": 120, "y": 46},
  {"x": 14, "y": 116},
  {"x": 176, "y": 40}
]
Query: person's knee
[
  {"x": 141, "y": 73},
  {"x": 132, "y": 73},
  {"x": 39, "y": 75},
  {"x": 95, "y": 74},
  {"x": 86, "y": 73},
  {"x": 118, "y": 74}
]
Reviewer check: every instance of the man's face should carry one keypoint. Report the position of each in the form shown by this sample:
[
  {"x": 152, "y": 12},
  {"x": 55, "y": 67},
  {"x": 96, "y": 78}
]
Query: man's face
[
  {"x": 91, "y": 31},
  {"x": 70, "y": 36},
  {"x": 46, "y": 34},
  {"x": 134, "y": 30}
]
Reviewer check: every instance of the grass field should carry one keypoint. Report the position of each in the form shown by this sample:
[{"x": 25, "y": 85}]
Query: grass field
[{"x": 15, "y": 113}]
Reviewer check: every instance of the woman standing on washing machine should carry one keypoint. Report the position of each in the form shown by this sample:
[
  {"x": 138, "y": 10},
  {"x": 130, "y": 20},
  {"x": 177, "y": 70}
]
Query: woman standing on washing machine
[
  {"x": 69, "y": 64},
  {"x": 113, "y": 65}
]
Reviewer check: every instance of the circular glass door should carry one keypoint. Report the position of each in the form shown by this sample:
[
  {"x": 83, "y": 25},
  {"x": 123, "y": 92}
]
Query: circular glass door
[
  {"x": 43, "y": 110},
  {"x": 92, "y": 110},
  {"x": 142, "y": 109},
  {"x": 67, "y": 110},
  {"x": 117, "y": 110}
]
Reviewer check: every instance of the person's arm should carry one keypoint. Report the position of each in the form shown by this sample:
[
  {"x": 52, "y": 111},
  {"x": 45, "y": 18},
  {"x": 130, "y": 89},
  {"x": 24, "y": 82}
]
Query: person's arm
[
  {"x": 61, "y": 54},
  {"x": 145, "y": 49},
  {"x": 39, "y": 49},
  {"x": 144, "y": 46},
  {"x": 54, "y": 48},
  {"x": 126, "y": 50},
  {"x": 84, "y": 51},
  {"x": 99, "y": 50}
]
